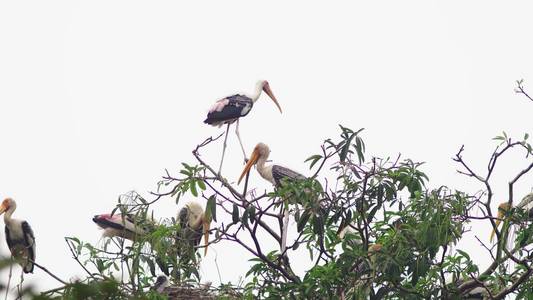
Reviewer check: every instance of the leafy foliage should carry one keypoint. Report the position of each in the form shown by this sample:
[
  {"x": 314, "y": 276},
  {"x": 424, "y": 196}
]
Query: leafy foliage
[{"x": 372, "y": 228}]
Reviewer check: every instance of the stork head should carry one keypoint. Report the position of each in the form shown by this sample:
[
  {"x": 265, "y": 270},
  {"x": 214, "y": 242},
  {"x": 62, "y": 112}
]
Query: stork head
[
  {"x": 265, "y": 86},
  {"x": 503, "y": 208},
  {"x": 260, "y": 150},
  {"x": 7, "y": 204}
]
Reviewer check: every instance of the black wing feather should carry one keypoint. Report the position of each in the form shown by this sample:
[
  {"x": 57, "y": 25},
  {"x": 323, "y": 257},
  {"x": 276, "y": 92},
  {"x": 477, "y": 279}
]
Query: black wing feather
[
  {"x": 279, "y": 172},
  {"x": 29, "y": 239},
  {"x": 183, "y": 217},
  {"x": 230, "y": 112}
]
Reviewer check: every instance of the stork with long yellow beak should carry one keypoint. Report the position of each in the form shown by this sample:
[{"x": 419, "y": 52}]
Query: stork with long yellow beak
[
  {"x": 274, "y": 174},
  {"x": 19, "y": 236},
  {"x": 230, "y": 109},
  {"x": 526, "y": 204},
  {"x": 194, "y": 223}
]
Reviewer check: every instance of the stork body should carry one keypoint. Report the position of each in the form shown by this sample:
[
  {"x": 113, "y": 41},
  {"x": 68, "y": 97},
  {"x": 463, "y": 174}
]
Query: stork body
[
  {"x": 274, "y": 174},
  {"x": 19, "y": 236},
  {"x": 230, "y": 109},
  {"x": 526, "y": 204},
  {"x": 118, "y": 225},
  {"x": 193, "y": 224}
]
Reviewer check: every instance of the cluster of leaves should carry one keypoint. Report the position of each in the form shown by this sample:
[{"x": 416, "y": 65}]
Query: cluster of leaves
[{"x": 371, "y": 227}]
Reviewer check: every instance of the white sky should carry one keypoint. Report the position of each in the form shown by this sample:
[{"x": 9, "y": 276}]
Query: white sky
[{"x": 99, "y": 97}]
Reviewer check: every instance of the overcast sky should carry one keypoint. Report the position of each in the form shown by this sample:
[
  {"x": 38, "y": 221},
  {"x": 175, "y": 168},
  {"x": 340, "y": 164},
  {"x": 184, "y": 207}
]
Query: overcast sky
[{"x": 99, "y": 97}]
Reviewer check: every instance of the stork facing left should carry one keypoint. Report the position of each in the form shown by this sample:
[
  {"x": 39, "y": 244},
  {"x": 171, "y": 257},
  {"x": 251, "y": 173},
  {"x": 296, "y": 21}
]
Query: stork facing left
[{"x": 19, "y": 237}]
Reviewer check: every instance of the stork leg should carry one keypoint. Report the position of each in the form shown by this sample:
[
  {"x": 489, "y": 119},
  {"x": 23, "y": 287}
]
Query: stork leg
[
  {"x": 240, "y": 142},
  {"x": 223, "y": 150},
  {"x": 19, "y": 287},
  {"x": 9, "y": 278},
  {"x": 284, "y": 230}
]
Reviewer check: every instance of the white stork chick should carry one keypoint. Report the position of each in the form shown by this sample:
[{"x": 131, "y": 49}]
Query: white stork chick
[
  {"x": 19, "y": 236},
  {"x": 118, "y": 226},
  {"x": 193, "y": 224},
  {"x": 273, "y": 174},
  {"x": 230, "y": 109}
]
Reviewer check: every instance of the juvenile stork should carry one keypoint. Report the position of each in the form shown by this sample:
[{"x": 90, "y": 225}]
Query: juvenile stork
[
  {"x": 526, "y": 204},
  {"x": 19, "y": 236},
  {"x": 274, "y": 174},
  {"x": 193, "y": 224},
  {"x": 230, "y": 109},
  {"x": 118, "y": 225}
]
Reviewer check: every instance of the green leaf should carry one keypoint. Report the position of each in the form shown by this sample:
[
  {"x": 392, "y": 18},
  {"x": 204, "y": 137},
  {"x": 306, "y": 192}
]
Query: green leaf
[
  {"x": 201, "y": 184},
  {"x": 464, "y": 254},
  {"x": 235, "y": 214},
  {"x": 314, "y": 159},
  {"x": 211, "y": 208},
  {"x": 346, "y": 148},
  {"x": 192, "y": 185},
  {"x": 245, "y": 218},
  {"x": 526, "y": 136},
  {"x": 303, "y": 221},
  {"x": 251, "y": 211}
]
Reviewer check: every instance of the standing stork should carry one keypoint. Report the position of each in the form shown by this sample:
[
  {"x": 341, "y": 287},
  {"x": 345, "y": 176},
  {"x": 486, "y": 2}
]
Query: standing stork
[
  {"x": 273, "y": 174},
  {"x": 526, "y": 204},
  {"x": 19, "y": 236},
  {"x": 230, "y": 109},
  {"x": 193, "y": 223},
  {"x": 118, "y": 225}
]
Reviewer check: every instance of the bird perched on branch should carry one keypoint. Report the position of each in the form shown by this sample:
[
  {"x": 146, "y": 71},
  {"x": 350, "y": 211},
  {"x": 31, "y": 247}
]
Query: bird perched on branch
[
  {"x": 19, "y": 236},
  {"x": 119, "y": 225},
  {"x": 526, "y": 204},
  {"x": 274, "y": 174},
  {"x": 193, "y": 223},
  {"x": 230, "y": 109}
]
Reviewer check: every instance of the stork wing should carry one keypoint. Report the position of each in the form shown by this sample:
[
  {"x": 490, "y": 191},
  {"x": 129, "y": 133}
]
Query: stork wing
[
  {"x": 183, "y": 217},
  {"x": 229, "y": 108},
  {"x": 527, "y": 202},
  {"x": 29, "y": 239},
  {"x": 279, "y": 172}
]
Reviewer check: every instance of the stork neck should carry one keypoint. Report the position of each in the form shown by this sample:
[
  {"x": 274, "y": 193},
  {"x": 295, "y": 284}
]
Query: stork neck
[
  {"x": 9, "y": 212},
  {"x": 257, "y": 92},
  {"x": 265, "y": 171}
]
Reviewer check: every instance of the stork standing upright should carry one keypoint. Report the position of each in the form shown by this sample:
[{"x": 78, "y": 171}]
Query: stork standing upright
[
  {"x": 118, "y": 225},
  {"x": 230, "y": 109},
  {"x": 273, "y": 174},
  {"x": 19, "y": 236},
  {"x": 194, "y": 223}
]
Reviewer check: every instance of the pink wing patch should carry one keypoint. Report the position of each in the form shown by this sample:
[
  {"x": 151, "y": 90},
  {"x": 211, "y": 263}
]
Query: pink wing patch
[
  {"x": 219, "y": 105},
  {"x": 117, "y": 218}
]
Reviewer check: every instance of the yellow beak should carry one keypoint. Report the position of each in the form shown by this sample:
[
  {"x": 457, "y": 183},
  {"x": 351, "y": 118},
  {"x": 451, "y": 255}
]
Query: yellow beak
[
  {"x": 207, "y": 227},
  {"x": 3, "y": 208},
  {"x": 502, "y": 210},
  {"x": 251, "y": 162},
  {"x": 267, "y": 90}
]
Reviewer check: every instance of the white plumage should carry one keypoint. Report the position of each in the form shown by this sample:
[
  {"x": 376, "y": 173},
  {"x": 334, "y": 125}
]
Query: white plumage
[{"x": 19, "y": 236}]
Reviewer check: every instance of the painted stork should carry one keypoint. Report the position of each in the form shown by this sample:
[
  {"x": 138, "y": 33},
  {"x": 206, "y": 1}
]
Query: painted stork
[
  {"x": 273, "y": 174},
  {"x": 118, "y": 225},
  {"x": 194, "y": 223},
  {"x": 526, "y": 204},
  {"x": 232, "y": 108},
  {"x": 19, "y": 236}
]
